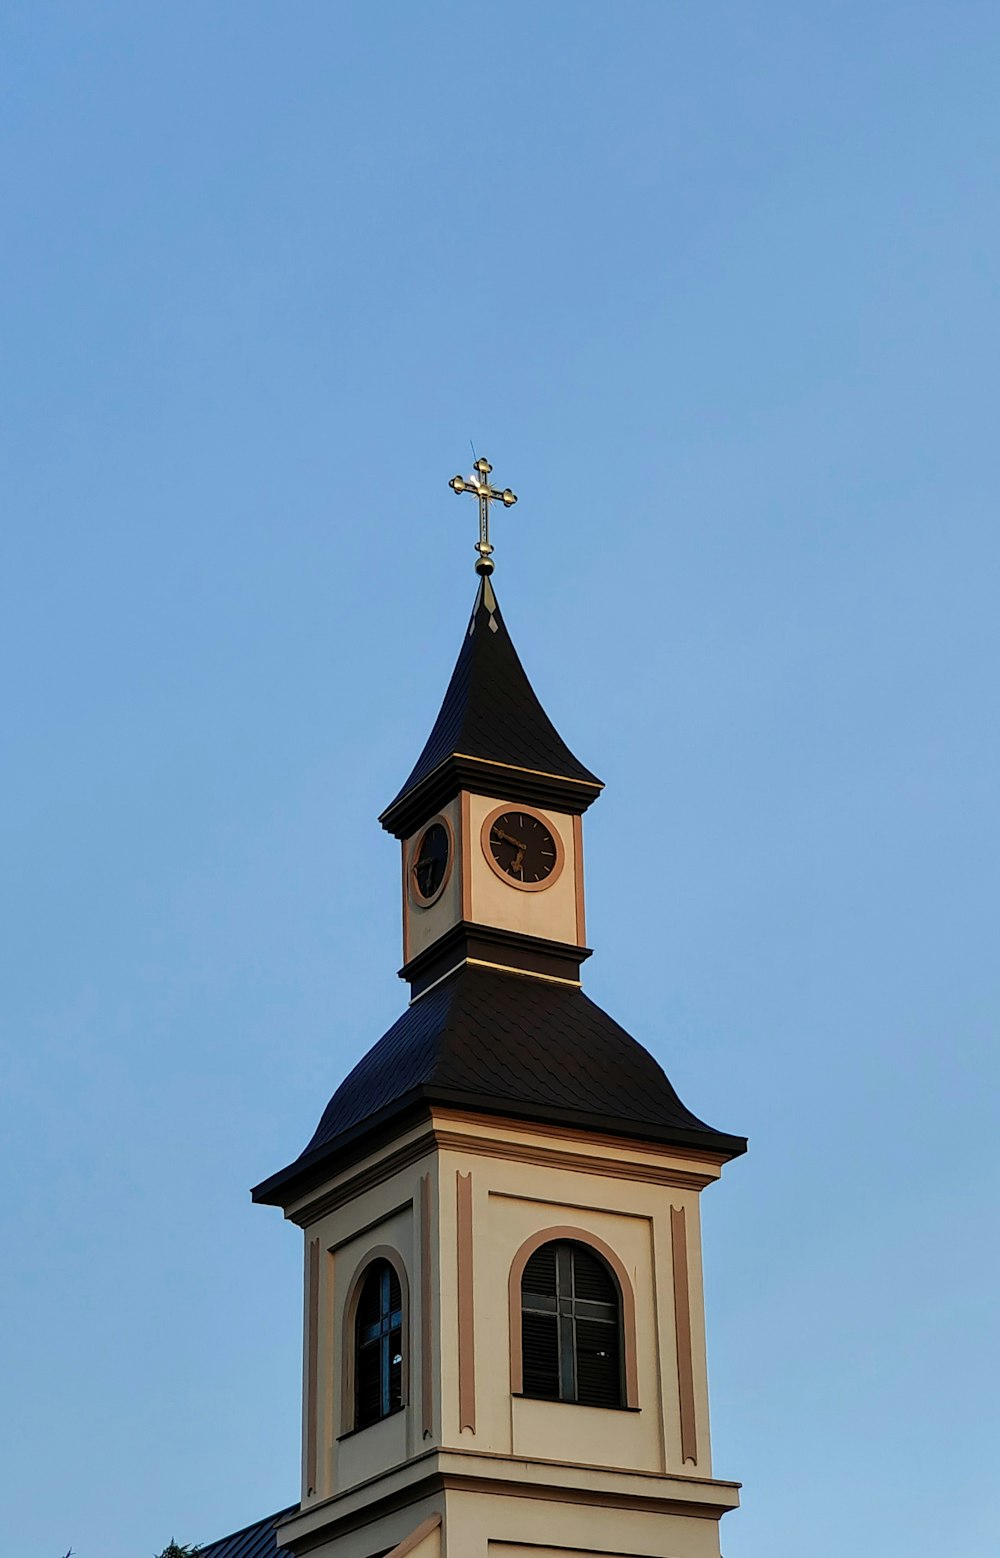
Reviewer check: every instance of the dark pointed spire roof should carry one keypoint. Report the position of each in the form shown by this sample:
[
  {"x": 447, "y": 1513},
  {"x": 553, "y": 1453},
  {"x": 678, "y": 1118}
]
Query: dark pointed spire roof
[
  {"x": 491, "y": 733},
  {"x": 501, "y": 1044}
]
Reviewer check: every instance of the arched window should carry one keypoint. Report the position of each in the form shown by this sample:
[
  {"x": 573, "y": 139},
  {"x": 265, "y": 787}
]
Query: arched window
[
  {"x": 378, "y": 1345},
  {"x": 571, "y": 1327}
]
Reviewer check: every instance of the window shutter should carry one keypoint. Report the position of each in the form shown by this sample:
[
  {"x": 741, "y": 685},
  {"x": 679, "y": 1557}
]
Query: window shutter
[
  {"x": 598, "y": 1366},
  {"x": 540, "y": 1356},
  {"x": 370, "y": 1302},
  {"x": 368, "y": 1386},
  {"x": 598, "y": 1336},
  {"x": 571, "y": 1338},
  {"x": 540, "y": 1272},
  {"x": 591, "y": 1278}
]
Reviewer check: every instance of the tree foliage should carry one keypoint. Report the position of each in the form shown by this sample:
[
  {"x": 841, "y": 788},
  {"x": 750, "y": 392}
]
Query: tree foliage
[{"x": 173, "y": 1551}]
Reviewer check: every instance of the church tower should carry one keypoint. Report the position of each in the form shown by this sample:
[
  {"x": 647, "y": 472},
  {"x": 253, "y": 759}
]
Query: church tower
[{"x": 504, "y": 1334}]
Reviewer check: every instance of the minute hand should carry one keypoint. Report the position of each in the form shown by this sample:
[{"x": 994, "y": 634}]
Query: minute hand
[{"x": 507, "y": 838}]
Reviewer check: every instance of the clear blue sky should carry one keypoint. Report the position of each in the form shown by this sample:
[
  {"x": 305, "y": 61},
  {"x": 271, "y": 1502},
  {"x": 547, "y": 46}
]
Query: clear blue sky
[{"x": 715, "y": 288}]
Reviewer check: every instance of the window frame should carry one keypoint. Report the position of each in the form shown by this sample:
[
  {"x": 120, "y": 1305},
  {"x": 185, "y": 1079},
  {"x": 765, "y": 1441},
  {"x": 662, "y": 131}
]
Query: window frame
[
  {"x": 567, "y": 1311},
  {"x": 349, "y": 1340},
  {"x": 567, "y": 1235}
]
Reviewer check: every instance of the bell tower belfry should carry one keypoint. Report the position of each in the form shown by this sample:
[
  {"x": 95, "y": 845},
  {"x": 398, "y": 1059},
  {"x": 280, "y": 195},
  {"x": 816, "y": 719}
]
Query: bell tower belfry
[{"x": 504, "y": 1333}]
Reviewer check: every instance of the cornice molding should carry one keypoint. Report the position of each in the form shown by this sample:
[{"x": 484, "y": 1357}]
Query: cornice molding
[
  {"x": 436, "y": 1137},
  {"x": 460, "y": 771},
  {"x": 444, "y": 1470}
]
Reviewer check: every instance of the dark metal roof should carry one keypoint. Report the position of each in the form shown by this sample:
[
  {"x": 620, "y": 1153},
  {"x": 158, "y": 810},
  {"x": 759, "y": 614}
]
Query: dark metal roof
[
  {"x": 490, "y": 714},
  {"x": 502, "y": 1043},
  {"x": 256, "y": 1541}
]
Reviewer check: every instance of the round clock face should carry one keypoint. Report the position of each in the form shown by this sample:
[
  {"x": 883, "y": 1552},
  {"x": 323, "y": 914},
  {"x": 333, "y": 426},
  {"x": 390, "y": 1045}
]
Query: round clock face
[
  {"x": 522, "y": 847},
  {"x": 430, "y": 862}
]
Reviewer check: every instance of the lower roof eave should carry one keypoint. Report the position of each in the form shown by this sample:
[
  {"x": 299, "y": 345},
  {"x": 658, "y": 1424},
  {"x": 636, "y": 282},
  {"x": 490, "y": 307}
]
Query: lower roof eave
[
  {"x": 338, "y": 1154},
  {"x": 461, "y": 771},
  {"x": 700, "y": 1136},
  {"x": 313, "y": 1168}
]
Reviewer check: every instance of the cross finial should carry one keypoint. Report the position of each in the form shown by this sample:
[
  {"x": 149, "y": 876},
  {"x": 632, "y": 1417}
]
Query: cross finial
[{"x": 479, "y": 485}]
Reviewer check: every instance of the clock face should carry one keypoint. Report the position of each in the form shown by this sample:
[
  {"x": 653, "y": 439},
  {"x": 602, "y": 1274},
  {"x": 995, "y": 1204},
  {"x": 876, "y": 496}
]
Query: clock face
[
  {"x": 430, "y": 862},
  {"x": 522, "y": 847}
]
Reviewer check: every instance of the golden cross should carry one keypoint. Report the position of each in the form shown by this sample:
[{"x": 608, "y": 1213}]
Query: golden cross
[{"x": 479, "y": 484}]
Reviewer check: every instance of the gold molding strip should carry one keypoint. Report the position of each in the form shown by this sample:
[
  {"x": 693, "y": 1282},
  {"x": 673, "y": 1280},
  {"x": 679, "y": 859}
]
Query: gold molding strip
[
  {"x": 426, "y": 1300},
  {"x": 682, "y": 1322},
  {"x": 312, "y": 1365},
  {"x": 504, "y": 968},
  {"x": 525, "y": 973},
  {"x": 542, "y": 773},
  {"x": 466, "y": 1313},
  {"x": 434, "y": 984}
]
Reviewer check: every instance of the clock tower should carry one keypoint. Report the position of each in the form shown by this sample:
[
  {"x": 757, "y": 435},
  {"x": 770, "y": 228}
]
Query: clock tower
[
  {"x": 504, "y": 1337},
  {"x": 492, "y": 842}
]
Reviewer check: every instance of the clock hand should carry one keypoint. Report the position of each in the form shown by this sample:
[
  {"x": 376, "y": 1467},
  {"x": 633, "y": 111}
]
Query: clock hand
[{"x": 507, "y": 838}]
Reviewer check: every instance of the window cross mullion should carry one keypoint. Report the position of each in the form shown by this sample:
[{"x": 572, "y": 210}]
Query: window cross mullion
[
  {"x": 379, "y": 1346},
  {"x": 567, "y": 1329},
  {"x": 571, "y": 1344}
]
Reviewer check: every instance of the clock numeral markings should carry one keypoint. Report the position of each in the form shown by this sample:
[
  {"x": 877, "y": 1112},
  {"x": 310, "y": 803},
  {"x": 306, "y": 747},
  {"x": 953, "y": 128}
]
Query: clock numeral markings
[{"x": 522, "y": 847}]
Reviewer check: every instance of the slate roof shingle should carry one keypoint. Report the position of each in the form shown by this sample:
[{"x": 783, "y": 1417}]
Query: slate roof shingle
[
  {"x": 491, "y": 713},
  {"x": 500, "y": 1043},
  {"x": 254, "y": 1541}
]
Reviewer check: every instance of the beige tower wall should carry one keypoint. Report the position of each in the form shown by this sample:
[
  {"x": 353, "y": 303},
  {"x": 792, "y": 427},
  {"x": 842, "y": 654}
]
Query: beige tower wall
[
  {"x": 474, "y": 892},
  {"x": 551, "y": 912},
  {"x": 347, "y": 1230},
  {"x": 514, "y": 1199},
  {"x": 455, "y": 1199},
  {"x": 530, "y": 1528},
  {"x": 422, "y": 925}
]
